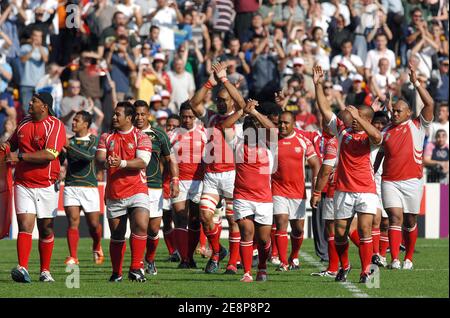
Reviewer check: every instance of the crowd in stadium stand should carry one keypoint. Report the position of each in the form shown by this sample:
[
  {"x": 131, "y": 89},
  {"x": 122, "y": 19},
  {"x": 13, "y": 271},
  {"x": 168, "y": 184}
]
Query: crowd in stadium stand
[{"x": 89, "y": 54}]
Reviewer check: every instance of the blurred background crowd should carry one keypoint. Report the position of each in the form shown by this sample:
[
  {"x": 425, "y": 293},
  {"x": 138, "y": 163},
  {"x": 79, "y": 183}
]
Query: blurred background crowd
[{"x": 91, "y": 53}]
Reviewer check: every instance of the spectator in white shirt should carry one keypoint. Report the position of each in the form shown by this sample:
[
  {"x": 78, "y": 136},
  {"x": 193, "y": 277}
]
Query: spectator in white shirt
[
  {"x": 182, "y": 82},
  {"x": 356, "y": 64},
  {"x": 442, "y": 123},
  {"x": 374, "y": 56},
  {"x": 381, "y": 80}
]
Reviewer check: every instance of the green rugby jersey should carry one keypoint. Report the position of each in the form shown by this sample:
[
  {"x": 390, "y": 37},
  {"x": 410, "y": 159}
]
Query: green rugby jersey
[
  {"x": 81, "y": 171},
  {"x": 160, "y": 147}
]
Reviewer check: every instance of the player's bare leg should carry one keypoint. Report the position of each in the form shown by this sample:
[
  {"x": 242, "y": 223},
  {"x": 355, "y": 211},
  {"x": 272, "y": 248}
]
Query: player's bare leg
[
  {"x": 296, "y": 243},
  {"x": 247, "y": 230},
  {"x": 139, "y": 219},
  {"x": 376, "y": 238},
  {"x": 96, "y": 232},
  {"x": 395, "y": 235},
  {"x": 365, "y": 221},
  {"x": 24, "y": 242},
  {"x": 181, "y": 232},
  {"x": 234, "y": 238},
  {"x": 410, "y": 235},
  {"x": 117, "y": 246},
  {"x": 169, "y": 235},
  {"x": 154, "y": 225},
  {"x": 281, "y": 237},
  {"x": 208, "y": 203},
  {"x": 262, "y": 236},
  {"x": 341, "y": 230},
  {"x": 193, "y": 231},
  {"x": 46, "y": 244},
  {"x": 73, "y": 235}
]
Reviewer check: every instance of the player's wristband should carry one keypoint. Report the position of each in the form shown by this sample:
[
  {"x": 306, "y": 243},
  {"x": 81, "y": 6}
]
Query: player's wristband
[
  {"x": 175, "y": 180},
  {"x": 123, "y": 164},
  {"x": 316, "y": 193},
  {"x": 224, "y": 79},
  {"x": 416, "y": 84},
  {"x": 208, "y": 85}
]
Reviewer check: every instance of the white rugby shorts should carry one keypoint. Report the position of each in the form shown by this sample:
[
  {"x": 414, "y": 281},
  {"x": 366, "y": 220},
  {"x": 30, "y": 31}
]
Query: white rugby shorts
[
  {"x": 262, "y": 211},
  {"x": 156, "y": 202},
  {"x": 220, "y": 183},
  {"x": 346, "y": 204},
  {"x": 87, "y": 198},
  {"x": 295, "y": 208},
  {"x": 117, "y": 208},
  {"x": 189, "y": 190},
  {"x": 405, "y": 194},
  {"x": 328, "y": 209},
  {"x": 40, "y": 201}
]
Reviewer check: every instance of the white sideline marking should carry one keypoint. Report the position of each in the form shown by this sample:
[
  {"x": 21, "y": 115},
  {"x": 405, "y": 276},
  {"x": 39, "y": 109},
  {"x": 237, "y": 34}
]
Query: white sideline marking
[{"x": 356, "y": 292}]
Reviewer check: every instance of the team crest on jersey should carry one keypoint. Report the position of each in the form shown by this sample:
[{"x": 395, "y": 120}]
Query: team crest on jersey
[
  {"x": 111, "y": 146},
  {"x": 298, "y": 149},
  {"x": 130, "y": 146},
  {"x": 348, "y": 138}
]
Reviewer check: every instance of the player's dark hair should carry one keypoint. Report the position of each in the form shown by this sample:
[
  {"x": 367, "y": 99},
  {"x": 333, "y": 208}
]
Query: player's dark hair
[
  {"x": 440, "y": 131},
  {"x": 128, "y": 109},
  {"x": 367, "y": 111},
  {"x": 174, "y": 116},
  {"x": 380, "y": 115},
  {"x": 153, "y": 27},
  {"x": 87, "y": 118},
  {"x": 346, "y": 41},
  {"x": 141, "y": 103},
  {"x": 314, "y": 30},
  {"x": 406, "y": 102},
  {"x": 186, "y": 105}
]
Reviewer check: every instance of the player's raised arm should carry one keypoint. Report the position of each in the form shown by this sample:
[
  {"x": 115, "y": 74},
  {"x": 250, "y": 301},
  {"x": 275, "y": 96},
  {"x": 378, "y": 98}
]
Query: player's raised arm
[
  {"x": 220, "y": 69},
  {"x": 373, "y": 133},
  {"x": 322, "y": 102},
  {"x": 428, "y": 108},
  {"x": 197, "y": 100}
]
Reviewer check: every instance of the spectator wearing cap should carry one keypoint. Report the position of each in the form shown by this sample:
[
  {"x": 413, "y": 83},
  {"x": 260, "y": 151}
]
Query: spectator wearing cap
[
  {"x": 121, "y": 65},
  {"x": 355, "y": 64},
  {"x": 161, "y": 118},
  {"x": 155, "y": 104},
  {"x": 440, "y": 81},
  {"x": 357, "y": 95},
  {"x": 306, "y": 83},
  {"x": 33, "y": 57},
  {"x": 165, "y": 97},
  {"x": 436, "y": 156},
  {"x": 245, "y": 10},
  {"x": 338, "y": 31},
  {"x": 382, "y": 80},
  {"x": 440, "y": 124},
  {"x": 147, "y": 80},
  {"x": 159, "y": 62},
  {"x": 182, "y": 82},
  {"x": 343, "y": 76},
  {"x": 374, "y": 56}
]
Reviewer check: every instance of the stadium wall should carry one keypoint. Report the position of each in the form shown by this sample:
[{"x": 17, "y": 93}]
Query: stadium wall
[{"x": 433, "y": 220}]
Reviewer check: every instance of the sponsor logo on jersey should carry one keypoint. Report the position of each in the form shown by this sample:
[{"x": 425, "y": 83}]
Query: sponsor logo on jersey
[
  {"x": 130, "y": 145},
  {"x": 298, "y": 149}
]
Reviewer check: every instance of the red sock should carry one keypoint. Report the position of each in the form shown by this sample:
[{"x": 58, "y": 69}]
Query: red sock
[
  {"x": 152, "y": 245},
  {"x": 234, "y": 238},
  {"x": 246, "y": 249},
  {"x": 96, "y": 235},
  {"x": 410, "y": 241},
  {"x": 342, "y": 251},
  {"x": 203, "y": 238},
  {"x": 193, "y": 238},
  {"x": 116, "y": 252},
  {"x": 272, "y": 239},
  {"x": 384, "y": 244},
  {"x": 296, "y": 244},
  {"x": 169, "y": 239},
  {"x": 263, "y": 254},
  {"x": 181, "y": 239},
  {"x": 395, "y": 238},
  {"x": 354, "y": 236},
  {"x": 213, "y": 239},
  {"x": 281, "y": 238},
  {"x": 365, "y": 253},
  {"x": 138, "y": 244},
  {"x": 73, "y": 236},
  {"x": 24, "y": 244},
  {"x": 333, "y": 257},
  {"x": 376, "y": 240},
  {"x": 45, "y": 251}
]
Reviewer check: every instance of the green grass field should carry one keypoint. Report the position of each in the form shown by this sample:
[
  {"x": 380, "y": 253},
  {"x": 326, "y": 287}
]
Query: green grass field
[{"x": 429, "y": 278}]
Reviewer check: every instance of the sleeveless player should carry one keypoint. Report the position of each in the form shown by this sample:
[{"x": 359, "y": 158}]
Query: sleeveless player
[
  {"x": 288, "y": 188},
  {"x": 161, "y": 149},
  {"x": 125, "y": 153},
  {"x": 220, "y": 171},
  {"x": 39, "y": 139},
  {"x": 80, "y": 188},
  {"x": 355, "y": 184},
  {"x": 188, "y": 143},
  {"x": 402, "y": 184}
]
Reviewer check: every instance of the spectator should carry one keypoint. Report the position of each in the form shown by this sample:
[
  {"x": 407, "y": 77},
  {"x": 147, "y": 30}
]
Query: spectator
[
  {"x": 272, "y": 14},
  {"x": 132, "y": 12},
  {"x": 153, "y": 40},
  {"x": 357, "y": 95},
  {"x": 439, "y": 37},
  {"x": 9, "y": 127},
  {"x": 440, "y": 81},
  {"x": 71, "y": 104},
  {"x": 220, "y": 14},
  {"x": 216, "y": 54},
  {"x": 381, "y": 81},
  {"x": 380, "y": 27},
  {"x": 121, "y": 65},
  {"x": 33, "y": 57},
  {"x": 368, "y": 19},
  {"x": 237, "y": 78},
  {"x": 321, "y": 48},
  {"x": 235, "y": 53},
  {"x": 426, "y": 47},
  {"x": 256, "y": 29},
  {"x": 6, "y": 72},
  {"x": 355, "y": 66},
  {"x": 89, "y": 78},
  {"x": 51, "y": 83},
  {"x": 304, "y": 119},
  {"x": 7, "y": 110},
  {"x": 245, "y": 10},
  {"x": 184, "y": 83},
  {"x": 436, "y": 158},
  {"x": 293, "y": 12},
  {"x": 146, "y": 81},
  {"x": 343, "y": 78},
  {"x": 374, "y": 56},
  {"x": 441, "y": 124},
  {"x": 200, "y": 33},
  {"x": 158, "y": 65},
  {"x": 165, "y": 97}
]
